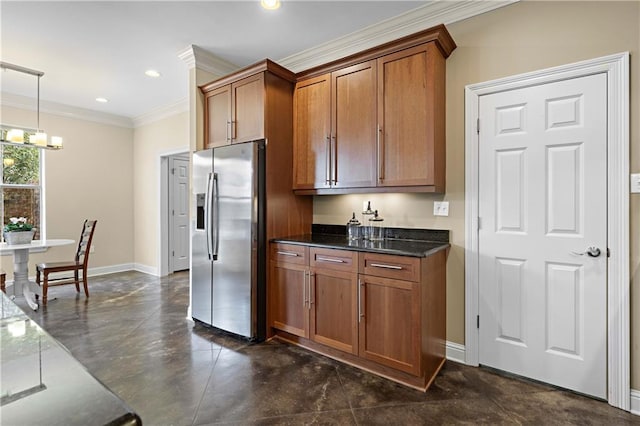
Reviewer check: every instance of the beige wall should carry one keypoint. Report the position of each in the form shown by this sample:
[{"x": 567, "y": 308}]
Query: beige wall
[
  {"x": 150, "y": 143},
  {"x": 522, "y": 37},
  {"x": 90, "y": 178}
]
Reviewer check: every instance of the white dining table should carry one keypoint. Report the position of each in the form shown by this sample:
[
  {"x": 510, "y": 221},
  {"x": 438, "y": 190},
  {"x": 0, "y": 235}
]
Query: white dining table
[{"x": 21, "y": 266}]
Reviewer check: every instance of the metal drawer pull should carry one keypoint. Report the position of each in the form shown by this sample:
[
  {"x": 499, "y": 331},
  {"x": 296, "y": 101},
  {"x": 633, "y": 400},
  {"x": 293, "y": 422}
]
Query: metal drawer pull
[
  {"x": 286, "y": 253},
  {"x": 379, "y": 265},
  {"x": 326, "y": 259}
]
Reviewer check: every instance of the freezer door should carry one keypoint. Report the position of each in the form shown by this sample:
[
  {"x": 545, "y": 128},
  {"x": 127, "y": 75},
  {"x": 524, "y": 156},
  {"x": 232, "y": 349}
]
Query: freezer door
[
  {"x": 201, "y": 264},
  {"x": 235, "y": 210}
]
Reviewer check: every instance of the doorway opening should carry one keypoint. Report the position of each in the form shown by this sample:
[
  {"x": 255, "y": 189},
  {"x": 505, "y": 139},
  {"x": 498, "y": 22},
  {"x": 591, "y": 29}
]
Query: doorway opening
[{"x": 174, "y": 212}]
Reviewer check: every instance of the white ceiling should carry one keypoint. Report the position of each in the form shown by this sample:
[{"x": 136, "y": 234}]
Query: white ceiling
[{"x": 90, "y": 49}]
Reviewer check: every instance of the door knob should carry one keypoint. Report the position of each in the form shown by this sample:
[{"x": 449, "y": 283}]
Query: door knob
[{"x": 591, "y": 252}]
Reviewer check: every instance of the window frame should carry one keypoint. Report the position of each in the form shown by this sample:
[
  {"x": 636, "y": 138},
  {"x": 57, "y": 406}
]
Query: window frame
[{"x": 41, "y": 186}]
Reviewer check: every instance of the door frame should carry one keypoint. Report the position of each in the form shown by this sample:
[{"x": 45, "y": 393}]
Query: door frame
[
  {"x": 163, "y": 190},
  {"x": 170, "y": 217},
  {"x": 618, "y": 297}
]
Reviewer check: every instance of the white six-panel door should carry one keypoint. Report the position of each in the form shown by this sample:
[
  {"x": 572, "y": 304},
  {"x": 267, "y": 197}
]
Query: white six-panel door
[
  {"x": 179, "y": 215},
  {"x": 542, "y": 205}
]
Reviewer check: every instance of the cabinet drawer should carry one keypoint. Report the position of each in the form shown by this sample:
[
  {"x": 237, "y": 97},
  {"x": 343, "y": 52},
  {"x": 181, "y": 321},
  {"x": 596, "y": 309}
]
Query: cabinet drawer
[
  {"x": 290, "y": 253},
  {"x": 337, "y": 260},
  {"x": 396, "y": 267}
]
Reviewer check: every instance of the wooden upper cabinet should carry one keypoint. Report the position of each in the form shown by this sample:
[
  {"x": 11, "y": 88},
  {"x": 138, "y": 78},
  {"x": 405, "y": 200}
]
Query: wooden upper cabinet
[
  {"x": 353, "y": 124},
  {"x": 247, "y": 106},
  {"x": 334, "y": 129},
  {"x": 311, "y": 133},
  {"x": 238, "y": 107},
  {"x": 218, "y": 118},
  {"x": 411, "y": 118},
  {"x": 387, "y": 122},
  {"x": 235, "y": 112}
]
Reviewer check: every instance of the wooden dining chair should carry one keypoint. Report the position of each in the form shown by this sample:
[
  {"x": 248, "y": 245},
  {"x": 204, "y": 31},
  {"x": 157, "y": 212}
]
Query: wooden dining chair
[
  {"x": 80, "y": 263},
  {"x": 3, "y": 281}
]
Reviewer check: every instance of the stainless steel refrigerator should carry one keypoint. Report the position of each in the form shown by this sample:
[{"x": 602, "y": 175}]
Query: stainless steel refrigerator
[{"x": 228, "y": 271}]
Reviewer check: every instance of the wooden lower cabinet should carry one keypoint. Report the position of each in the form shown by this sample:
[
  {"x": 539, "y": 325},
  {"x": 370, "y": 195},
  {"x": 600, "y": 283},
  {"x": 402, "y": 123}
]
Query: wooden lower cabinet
[
  {"x": 288, "y": 298},
  {"x": 334, "y": 309},
  {"x": 390, "y": 322},
  {"x": 315, "y": 302},
  {"x": 383, "y": 313}
]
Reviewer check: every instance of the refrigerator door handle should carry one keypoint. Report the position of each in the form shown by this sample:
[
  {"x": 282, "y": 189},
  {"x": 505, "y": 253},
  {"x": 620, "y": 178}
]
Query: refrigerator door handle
[
  {"x": 207, "y": 215},
  {"x": 216, "y": 217}
]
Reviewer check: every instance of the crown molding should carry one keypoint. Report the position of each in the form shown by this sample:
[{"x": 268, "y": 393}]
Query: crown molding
[
  {"x": 422, "y": 18},
  {"x": 430, "y": 15},
  {"x": 197, "y": 57},
  {"x": 161, "y": 113},
  {"x": 62, "y": 110}
]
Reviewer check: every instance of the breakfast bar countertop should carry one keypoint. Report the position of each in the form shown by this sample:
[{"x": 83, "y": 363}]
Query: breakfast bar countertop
[
  {"x": 398, "y": 241},
  {"x": 42, "y": 383}
]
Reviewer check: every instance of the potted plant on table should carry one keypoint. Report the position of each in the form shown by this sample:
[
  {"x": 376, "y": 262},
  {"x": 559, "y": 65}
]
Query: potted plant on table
[{"x": 18, "y": 231}]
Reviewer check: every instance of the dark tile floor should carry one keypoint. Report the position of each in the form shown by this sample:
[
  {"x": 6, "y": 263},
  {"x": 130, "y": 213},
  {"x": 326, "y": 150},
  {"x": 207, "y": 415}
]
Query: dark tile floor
[{"x": 133, "y": 335}]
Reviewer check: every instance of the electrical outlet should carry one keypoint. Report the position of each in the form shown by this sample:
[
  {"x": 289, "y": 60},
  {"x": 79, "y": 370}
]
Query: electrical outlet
[
  {"x": 441, "y": 208},
  {"x": 92, "y": 249},
  {"x": 635, "y": 183}
]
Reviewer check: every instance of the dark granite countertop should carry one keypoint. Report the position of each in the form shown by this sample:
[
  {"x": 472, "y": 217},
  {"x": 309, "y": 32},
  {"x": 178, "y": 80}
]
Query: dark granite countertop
[
  {"x": 333, "y": 236},
  {"x": 43, "y": 384}
]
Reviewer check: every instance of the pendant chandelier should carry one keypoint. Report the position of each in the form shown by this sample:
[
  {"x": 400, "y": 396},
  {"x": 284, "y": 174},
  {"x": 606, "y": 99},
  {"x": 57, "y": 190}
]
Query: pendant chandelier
[{"x": 19, "y": 135}]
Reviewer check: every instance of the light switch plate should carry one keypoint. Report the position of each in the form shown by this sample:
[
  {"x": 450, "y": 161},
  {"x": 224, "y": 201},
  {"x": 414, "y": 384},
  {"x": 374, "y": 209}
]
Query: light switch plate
[
  {"x": 635, "y": 183},
  {"x": 441, "y": 208}
]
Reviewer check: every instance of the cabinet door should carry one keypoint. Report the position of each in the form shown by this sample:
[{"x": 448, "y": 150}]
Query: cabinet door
[
  {"x": 334, "y": 309},
  {"x": 411, "y": 115},
  {"x": 390, "y": 322},
  {"x": 247, "y": 104},
  {"x": 311, "y": 133},
  {"x": 353, "y": 116},
  {"x": 218, "y": 117},
  {"x": 288, "y": 298}
]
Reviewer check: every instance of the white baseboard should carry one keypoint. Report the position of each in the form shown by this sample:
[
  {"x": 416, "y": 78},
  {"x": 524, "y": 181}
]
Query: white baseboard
[
  {"x": 91, "y": 272},
  {"x": 151, "y": 270},
  {"x": 104, "y": 270},
  {"x": 455, "y": 352},
  {"x": 635, "y": 402}
]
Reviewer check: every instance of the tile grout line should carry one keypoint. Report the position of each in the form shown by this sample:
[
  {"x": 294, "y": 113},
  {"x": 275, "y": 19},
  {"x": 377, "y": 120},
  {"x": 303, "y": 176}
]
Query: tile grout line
[{"x": 353, "y": 414}]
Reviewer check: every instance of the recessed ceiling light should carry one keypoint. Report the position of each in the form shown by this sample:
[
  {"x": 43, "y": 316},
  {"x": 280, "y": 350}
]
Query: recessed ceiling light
[
  {"x": 270, "y": 4},
  {"x": 152, "y": 73},
  {"x": 102, "y": 100}
]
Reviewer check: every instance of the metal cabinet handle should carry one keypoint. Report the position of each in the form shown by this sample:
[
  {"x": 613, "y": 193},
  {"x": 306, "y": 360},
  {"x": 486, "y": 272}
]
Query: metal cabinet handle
[
  {"x": 311, "y": 274},
  {"x": 288, "y": 253},
  {"x": 208, "y": 224},
  {"x": 327, "y": 259},
  {"x": 360, "y": 314},
  {"x": 591, "y": 252},
  {"x": 379, "y": 143},
  {"x": 305, "y": 294},
  {"x": 334, "y": 159},
  {"x": 228, "y": 131},
  {"x": 380, "y": 265},
  {"x": 216, "y": 199},
  {"x": 327, "y": 169}
]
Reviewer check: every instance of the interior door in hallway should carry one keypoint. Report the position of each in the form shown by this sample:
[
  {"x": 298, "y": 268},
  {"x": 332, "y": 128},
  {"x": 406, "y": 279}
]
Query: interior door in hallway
[
  {"x": 179, "y": 214},
  {"x": 543, "y": 233}
]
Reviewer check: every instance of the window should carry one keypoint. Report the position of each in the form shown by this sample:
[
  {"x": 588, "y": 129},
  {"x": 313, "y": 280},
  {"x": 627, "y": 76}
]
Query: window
[{"x": 21, "y": 185}]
